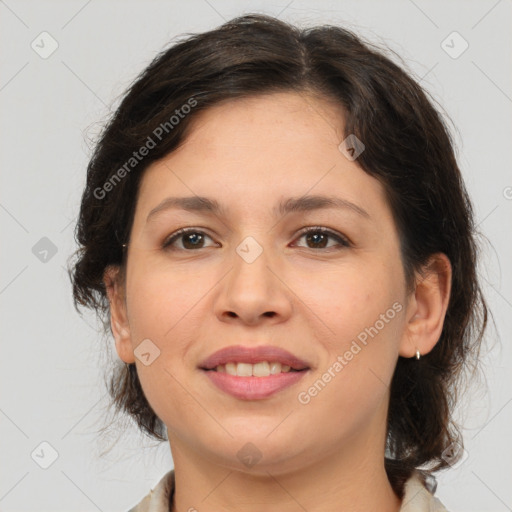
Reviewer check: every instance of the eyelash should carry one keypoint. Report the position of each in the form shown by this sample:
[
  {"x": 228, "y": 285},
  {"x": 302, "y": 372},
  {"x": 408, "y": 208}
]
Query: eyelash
[{"x": 314, "y": 229}]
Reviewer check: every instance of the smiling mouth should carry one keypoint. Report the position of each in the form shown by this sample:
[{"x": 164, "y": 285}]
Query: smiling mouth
[
  {"x": 246, "y": 381},
  {"x": 260, "y": 369}
]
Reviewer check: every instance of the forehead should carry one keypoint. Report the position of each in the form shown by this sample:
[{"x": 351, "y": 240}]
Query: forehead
[
  {"x": 268, "y": 115},
  {"x": 252, "y": 153}
]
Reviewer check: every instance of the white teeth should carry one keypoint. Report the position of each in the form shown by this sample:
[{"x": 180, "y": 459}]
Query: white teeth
[
  {"x": 230, "y": 368},
  {"x": 244, "y": 369},
  {"x": 262, "y": 369},
  {"x": 275, "y": 368}
]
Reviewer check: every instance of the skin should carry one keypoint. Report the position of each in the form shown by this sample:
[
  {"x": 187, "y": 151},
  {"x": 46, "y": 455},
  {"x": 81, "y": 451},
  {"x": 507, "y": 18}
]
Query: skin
[{"x": 328, "y": 454}]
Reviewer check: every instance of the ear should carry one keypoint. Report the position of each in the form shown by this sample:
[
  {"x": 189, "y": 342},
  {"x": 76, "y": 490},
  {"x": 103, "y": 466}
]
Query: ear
[
  {"x": 119, "y": 325},
  {"x": 426, "y": 308}
]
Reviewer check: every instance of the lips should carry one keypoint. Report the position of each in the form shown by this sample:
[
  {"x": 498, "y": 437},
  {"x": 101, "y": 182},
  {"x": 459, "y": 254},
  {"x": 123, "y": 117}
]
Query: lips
[
  {"x": 253, "y": 387},
  {"x": 253, "y": 355}
]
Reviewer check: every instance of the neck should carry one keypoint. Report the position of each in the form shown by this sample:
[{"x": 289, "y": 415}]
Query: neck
[{"x": 353, "y": 479}]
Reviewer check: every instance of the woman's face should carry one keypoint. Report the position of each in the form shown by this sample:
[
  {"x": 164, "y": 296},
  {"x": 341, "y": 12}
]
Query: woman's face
[{"x": 247, "y": 275}]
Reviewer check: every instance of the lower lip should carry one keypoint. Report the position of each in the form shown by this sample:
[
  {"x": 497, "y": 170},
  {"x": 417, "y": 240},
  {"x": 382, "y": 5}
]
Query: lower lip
[{"x": 253, "y": 388}]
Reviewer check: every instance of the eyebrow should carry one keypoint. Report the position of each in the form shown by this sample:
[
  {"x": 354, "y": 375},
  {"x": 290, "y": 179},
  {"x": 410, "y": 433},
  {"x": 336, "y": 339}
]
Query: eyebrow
[{"x": 292, "y": 204}]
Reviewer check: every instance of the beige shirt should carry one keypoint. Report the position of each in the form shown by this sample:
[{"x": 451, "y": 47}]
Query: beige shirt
[{"x": 417, "y": 497}]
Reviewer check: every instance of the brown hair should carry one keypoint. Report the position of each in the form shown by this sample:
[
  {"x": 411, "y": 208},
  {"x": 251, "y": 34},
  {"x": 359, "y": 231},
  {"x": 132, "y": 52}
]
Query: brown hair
[{"x": 408, "y": 149}]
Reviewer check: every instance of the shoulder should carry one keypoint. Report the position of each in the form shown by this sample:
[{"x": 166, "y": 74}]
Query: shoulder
[
  {"x": 157, "y": 500},
  {"x": 419, "y": 495}
]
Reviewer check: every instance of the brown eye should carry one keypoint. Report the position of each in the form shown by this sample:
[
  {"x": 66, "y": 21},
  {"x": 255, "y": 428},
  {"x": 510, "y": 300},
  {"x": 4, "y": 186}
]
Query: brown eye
[
  {"x": 190, "y": 239},
  {"x": 193, "y": 239},
  {"x": 317, "y": 238}
]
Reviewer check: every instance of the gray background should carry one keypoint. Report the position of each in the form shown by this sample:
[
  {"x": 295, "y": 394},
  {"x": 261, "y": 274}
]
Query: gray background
[{"x": 52, "y": 359}]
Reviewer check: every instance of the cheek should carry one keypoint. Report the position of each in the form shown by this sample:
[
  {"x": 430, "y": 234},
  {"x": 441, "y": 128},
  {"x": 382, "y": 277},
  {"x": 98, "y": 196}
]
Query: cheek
[
  {"x": 161, "y": 301},
  {"x": 353, "y": 381},
  {"x": 163, "y": 307},
  {"x": 349, "y": 300},
  {"x": 363, "y": 309}
]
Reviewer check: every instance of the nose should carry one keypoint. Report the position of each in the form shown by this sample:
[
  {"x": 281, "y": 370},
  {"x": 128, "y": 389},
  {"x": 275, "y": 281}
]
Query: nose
[{"x": 254, "y": 291}]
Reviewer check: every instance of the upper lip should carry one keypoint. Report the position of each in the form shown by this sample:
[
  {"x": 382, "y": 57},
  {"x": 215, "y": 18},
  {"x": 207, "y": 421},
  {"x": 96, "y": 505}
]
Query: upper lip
[{"x": 253, "y": 355}]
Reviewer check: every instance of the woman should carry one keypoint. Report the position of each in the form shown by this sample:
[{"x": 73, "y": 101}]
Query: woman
[{"x": 275, "y": 225}]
